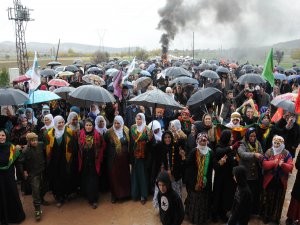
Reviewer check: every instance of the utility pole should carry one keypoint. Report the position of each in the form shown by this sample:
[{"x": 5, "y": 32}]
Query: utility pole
[
  {"x": 20, "y": 14},
  {"x": 193, "y": 46}
]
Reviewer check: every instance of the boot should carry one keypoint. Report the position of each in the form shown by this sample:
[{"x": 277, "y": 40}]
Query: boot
[{"x": 38, "y": 213}]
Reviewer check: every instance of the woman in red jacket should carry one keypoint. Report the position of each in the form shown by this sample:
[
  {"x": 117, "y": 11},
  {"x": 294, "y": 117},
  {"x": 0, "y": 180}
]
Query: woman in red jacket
[{"x": 277, "y": 165}]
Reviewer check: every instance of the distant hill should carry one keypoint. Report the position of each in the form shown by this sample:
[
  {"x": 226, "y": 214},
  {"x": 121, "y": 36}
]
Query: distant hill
[{"x": 288, "y": 44}]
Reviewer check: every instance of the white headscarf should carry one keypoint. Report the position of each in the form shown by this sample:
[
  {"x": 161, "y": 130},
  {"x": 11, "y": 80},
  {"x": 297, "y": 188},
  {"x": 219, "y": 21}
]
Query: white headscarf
[
  {"x": 103, "y": 129},
  {"x": 119, "y": 132},
  {"x": 32, "y": 119},
  {"x": 49, "y": 117},
  {"x": 69, "y": 121},
  {"x": 96, "y": 111},
  {"x": 202, "y": 148},
  {"x": 58, "y": 133},
  {"x": 142, "y": 126},
  {"x": 279, "y": 139},
  {"x": 156, "y": 125},
  {"x": 176, "y": 124}
]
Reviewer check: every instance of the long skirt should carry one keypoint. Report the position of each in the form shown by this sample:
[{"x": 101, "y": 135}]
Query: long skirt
[
  {"x": 294, "y": 210},
  {"x": 198, "y": 206},
  {"x": 256, "y": 189},
  {"x": 139, "y": 180},
  {"x": 272, "y": 201}
]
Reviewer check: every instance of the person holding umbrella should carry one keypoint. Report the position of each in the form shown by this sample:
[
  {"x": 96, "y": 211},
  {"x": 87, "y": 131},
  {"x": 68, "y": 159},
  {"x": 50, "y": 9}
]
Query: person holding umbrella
[{"x": 140, "y": 135}]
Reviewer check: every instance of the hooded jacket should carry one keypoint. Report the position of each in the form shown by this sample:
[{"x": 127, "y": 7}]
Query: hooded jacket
[{"x": 170, "y": 204}]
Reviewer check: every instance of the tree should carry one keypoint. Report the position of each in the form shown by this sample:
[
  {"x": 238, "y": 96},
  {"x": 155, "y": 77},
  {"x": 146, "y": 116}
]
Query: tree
[
  {"x": 99, "y": 57},
  {"x": 295, "y": 54},
  {"x": 4, "y": 78},
  {"x": 278, "y": 56},
  {"x": 141, "y": 54}
]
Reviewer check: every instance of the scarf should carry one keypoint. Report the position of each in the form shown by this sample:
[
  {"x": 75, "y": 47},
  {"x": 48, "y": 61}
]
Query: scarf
[
  {"x": 101, "y": 130},
  {"x": 116, "y": 140},
  {"x": 202, "y": 165},
  {"x": 154, "y": 125},
  {"x": 203, "y": 149},
  {"x": 119, "y": 132},
  {"x": 50, "y": 117},
  {"x": 13, "y": 154},
  {"x": 141, "y": 127},
  {"x": 253, "y": 148},
  {"x": 58, "y": 133},
  {"x": 278, "y": 150}
]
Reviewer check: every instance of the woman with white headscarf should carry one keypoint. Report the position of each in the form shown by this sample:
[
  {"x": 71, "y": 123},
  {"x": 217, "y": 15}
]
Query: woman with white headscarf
[
  {"x": 59, "y": 142},
  {"x": 277, "y": 165},
  {"x": 30, "y": 116},
  {"x": 179, "y": 136},
  {"x": 100, "y": 125},
  {"x": 117, "y": 138},
  {"x": 48, "y": 124},
  {"x": 72, "y": 122},
  {"x": 140, "y": 135}
]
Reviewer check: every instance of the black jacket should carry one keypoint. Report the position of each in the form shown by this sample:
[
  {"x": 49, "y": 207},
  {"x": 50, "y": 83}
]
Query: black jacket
[{"x": 34, "y": 159}]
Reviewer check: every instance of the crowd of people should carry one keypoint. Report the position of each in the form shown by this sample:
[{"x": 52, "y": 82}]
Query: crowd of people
[{"x": 230, "y": 155}]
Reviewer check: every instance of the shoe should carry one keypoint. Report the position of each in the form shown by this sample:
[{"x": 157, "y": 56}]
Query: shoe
[
  {"x": 113, "y": 199},
  {"x": 94, "y": 205},
  {"x": 38, "y": 215},
  {"x": 143, "y": 201},
  {"x": 59, "y": 204}
]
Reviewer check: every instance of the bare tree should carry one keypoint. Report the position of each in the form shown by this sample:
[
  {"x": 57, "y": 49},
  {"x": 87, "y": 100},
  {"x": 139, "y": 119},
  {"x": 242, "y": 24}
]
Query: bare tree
[
  {"x": 278, "y": 55},
  {"x": 100, "y": 56}
]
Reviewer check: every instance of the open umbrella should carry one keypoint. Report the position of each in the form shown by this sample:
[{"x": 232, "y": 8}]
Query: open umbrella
[
  {"x": 128, "y": 84},
  {"x": 284, "y": 104},
  {"x": 53, "y": 63},
  {"x": 63, "y": 92},
  {"x": 145, "y": 73},
  {"x": 39, "y": 96},
  {"x": 65, "y": 74},
  {"x": 48, "y": 73},
  {"x": 280, "y": 76},
  {"x": 124, "y": 62},
  {"x": 176, "y": 72},
  {"x": 203, "y": 96},
  {"x": 58, "y": 83},
  {"x": 233, "y": 65},
  {"x": 142, "y": 82},
  {"x": 291, "y": 77},
  {"x": 21, "y": 78},
  {"x": 93, "y": 79},
  {"x": 290, "y": 71},
  {"x": 183, "y": 80},
  {"x": 155, "y": 98},
  {"x": 222, "y": 69},
  {"x": 251, "y": 78},
  {"x": 71, "y": 68},
  {"x": 92, "y": 93},
  {"x": 205, "y": 66},
  {"x": 110, "y": 71},
  {"x": 248, "y": 68},
  {"x": 11, "y": 96},
  {"x": 287, "y": 96},
  {"x": 210, "y": 74},
  {"x": 94, "y": 70},
  {"x": 280, "y": 69}
]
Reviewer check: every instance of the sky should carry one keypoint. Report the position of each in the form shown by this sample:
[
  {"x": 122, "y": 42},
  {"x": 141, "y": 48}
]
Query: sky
[{"x": 127, "y": 23}]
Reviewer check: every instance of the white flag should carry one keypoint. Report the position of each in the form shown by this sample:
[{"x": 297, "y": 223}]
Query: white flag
[
  {"x": 35, "y": 75},
  {"x": 129, "y": 70}
]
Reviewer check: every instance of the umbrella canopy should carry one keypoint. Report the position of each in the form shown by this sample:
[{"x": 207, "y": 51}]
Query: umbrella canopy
[
  {"x": 233, "y": 65},
  {"x": 203, "y": 96},
  {"x": 248, "y": 68},
  {"x": 290, "y": 71},
  {"x": 222, "y": 69},
  {"x": 128, "y": 84},
  {"x": 205, "y": 66},
  {"x": 58, "y": 83},
  {"x": 48, "y": 73},
  {"x": 251, "y": 78},
  {"x": 71, "y": 68},
  {"x": 284, "y": 104},
  {"x": 176, "y": 72},
  {"x": 287, "y": 96},
  {"x": 280, "y": 69},
  {"x": 11, "y": 96},
  {"x": 124, "y": 62},
  {"x": 280, "y": 76},
  {"x": 65, "y": 74},
  {"x": 183, "y": 80},
  {"x": 53, "y": 63},
  {"x": 63, "y": 92},
  {"x": 21, "y": 78},
  {"x": 210, "y": 74},
  {"x": 291, "y": 77},
  {"x": 110, "y": 71},
  {"x": 39, "y": 96},
  {"x": 145, "y": 73},
  {"x": 155, "y": 98},
  {"x": 92, "y": 93},
  {"x": 93, "y": 79},
  {"x": 94, "y": 70},
  {"x": 297, "y": 69},
  {"x": 142, "y": 82}
]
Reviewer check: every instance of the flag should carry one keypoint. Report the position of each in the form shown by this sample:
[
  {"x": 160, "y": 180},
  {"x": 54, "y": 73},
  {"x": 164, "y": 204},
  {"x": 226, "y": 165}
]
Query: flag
[
  {"x": 277, "y": 116},
  {"x": 116, "y": 84},
  {"x": 129, "y": 70},
  {"x": 35, "y": 75},
  {"x": 267, "y": 73},
  {"x": 297, "y": 103}
]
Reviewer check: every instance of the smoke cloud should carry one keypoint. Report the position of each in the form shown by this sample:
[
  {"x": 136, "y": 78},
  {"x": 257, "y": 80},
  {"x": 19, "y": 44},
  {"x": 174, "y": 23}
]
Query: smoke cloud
[{"x": 249, "y": 21}]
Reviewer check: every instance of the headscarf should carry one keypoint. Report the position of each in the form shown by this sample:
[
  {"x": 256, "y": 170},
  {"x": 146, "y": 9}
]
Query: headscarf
[
  {"x": 154, "y": 125},
  {"x": 234, "y": 115},
  {"x": 119, "y": 132},
  {"x": 75, "y": 109},
  {"x": 249, "y": 132},
  {"x": 176, "y": 124},
  {"x": 260, "y": 121},
  {"x": 240, "y": 174},
  {"x": 103, "y": 129},
  {"x": 96, "y": 111},
  {"x": 32, "y": 119},
  {"x": 50, "y": 117},
  {"x": 203, "y": 120},
  {"x": 142, "y": 126},
  {"x": 186, "y": 111},
  {"x": 69, "y": 121},
  {"x": 163, "y": 137},
  {"x": 279, "y": 139},
  {"x": 4, "y": 108},
  {"x": 58, "y": 133},
  {"x": 225, "y": 138},
  {"x": 203, "y": 149}
]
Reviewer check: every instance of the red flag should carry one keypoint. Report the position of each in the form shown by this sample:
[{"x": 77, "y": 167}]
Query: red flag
[
  {"x": 278, "y": 115},
  {"x": 297, "y": 103}
]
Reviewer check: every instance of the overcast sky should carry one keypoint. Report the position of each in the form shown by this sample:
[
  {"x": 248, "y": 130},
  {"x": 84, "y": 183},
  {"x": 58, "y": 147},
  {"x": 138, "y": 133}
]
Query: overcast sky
[{"x": 124, "y": 23}]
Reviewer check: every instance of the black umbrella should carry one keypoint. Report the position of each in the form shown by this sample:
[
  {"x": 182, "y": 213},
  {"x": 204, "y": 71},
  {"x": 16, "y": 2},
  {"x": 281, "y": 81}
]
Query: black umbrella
[
  {"x": 11, "y": 96},
  {"x": 183, "y": 80},
  {"x": 94, "y": 70},
  {"x": 48, "y": 73},
  {"x": 142, "y": 82},
  {"x": 203, "y": 96},
  {"x": 285, "y": 104},
  {"x": 156, "y": 98},
  {"x": 210, "y": 74},
  {"x": 297, "y": 69},
  {"x": 53, "y": 63},
  {"x": 280, "y": 69},
  {"x": 222, "y": 69},
  {"x": 71, "y": 68},
  {"x": 124, "y": 62},
  {"x": 92, "y": 93},
  {"x": 205, "y": 66},
  {"x": 63, "y": 92},
  {"x": 251, "y": 78},
  {"x": 214, "y": 67},
  {"x": 290, "y": 71},
  {"x": 177, "y": 64},
  {"x": 176, "y": 72},
  {"x": 248, "y": 68}
]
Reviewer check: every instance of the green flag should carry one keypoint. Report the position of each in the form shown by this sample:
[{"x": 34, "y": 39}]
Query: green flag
[{"x": 267, "y": 73}]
